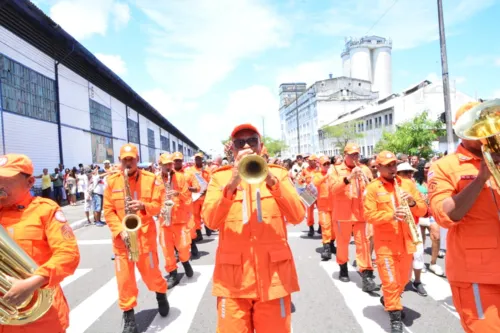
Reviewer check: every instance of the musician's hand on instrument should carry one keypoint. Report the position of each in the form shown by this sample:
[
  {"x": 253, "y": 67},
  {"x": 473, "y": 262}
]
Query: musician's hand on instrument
[
  {"x": 124, "y": 236},
  {"x": 173, "y": 193},
  {"x": 19, "y": 291},
  {"x": 135, "y": 205},
  {"x": 192, "y": 189},
  {"x": 271, "y": 180},
  {"x": 408, "y": 197},
  {"x": 400, "y": 214},
  {"x": 484, "y": 172}
]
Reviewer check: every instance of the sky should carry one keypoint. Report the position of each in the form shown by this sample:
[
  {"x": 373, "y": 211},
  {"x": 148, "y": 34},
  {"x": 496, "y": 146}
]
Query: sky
[{"x": 208, "y": 65}]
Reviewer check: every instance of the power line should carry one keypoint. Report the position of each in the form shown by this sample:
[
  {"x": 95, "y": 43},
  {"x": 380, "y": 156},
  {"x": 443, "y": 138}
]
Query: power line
[{"x": 381, "y": 17}]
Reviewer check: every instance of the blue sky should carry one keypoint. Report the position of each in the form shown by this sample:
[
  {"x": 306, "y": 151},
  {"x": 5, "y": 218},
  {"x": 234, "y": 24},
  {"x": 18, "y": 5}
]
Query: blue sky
[{"x": 210, "y": 64}]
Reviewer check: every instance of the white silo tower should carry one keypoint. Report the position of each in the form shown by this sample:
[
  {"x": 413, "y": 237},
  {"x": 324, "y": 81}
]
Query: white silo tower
[
  {"x": 346, "y": 63},
  {"x": 361, "y": 63},
  {"x": 382, "y": 68}
]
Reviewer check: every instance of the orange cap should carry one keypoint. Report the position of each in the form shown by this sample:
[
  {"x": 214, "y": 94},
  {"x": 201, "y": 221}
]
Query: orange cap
[
  {"x": 177, "y": 156},
  {"x": 13, "y": 164},
  {"x": 464, "y": 108},
  {"x": 242, "y": 127},
  {"x": 198, "y": 155},
  {"x": 351, "y": 148},
  {"x": 385, "y": 157},
  {"x": 128, "y": 150},
  {"x": 324, "y": 159},
  {"x": 165, "y": 158},
  {"x": 312, "y": 157}
]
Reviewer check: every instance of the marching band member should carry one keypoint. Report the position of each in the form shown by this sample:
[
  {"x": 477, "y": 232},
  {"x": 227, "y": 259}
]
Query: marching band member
[
  {"x": 146, "y": 203},
  {"x": 304, "y": 179},
  {"x": 392, "y": 239},
  {"x": 254, "y": 270},
  {"x": 348, "y": 217},
  {"x": 199, "y": 169},
  {"x": 39, "y": 227},
  {"x": 465, "y": 200},
  {"x": 323, "y": 182},
  {"x": 174, "y": 233}
]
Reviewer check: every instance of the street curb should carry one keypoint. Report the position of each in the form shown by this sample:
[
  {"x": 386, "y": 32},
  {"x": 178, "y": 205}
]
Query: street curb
[{"x": 78, "y": 224}]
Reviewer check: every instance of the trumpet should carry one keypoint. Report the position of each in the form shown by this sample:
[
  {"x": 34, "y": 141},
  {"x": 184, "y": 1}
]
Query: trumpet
[
  {"x": 415, "y": 236},
  {"x": 360, "y": 181}
]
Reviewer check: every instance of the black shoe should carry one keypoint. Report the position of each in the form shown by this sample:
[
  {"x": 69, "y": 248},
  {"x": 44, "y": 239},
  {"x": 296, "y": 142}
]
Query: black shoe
[
  {"x": 129, "y": 325},
  {"x": 383, "y": 304},
  {"x": 163, "y": 306},
  {"x": 319, "y": 230},
  {"x": 396, "y": 321},
  {"x": 199, "y": 236},
  {"x": 368, "y": 283},
  {"x": 208, "y": 231},
  {"x": 194, "y": 250},
  {"x": 188, "y": 269},
  {"x": 172, "y": 279},
  {"x": 419, "y": 288},
  {"x": 344, "y": 273},
  {"x": 311, "y": 231},
  {"x": 326, "y": 254},
  {"x": 333, "y": 248}
]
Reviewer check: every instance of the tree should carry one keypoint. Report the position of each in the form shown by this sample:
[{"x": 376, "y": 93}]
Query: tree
[
  {"x": 413, "y": 137},
  {"x": 273, "y": 146},
  {"x": 343, "y": 133}
]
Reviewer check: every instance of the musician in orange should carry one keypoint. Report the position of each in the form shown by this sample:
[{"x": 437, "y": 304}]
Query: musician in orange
[
  {"x": 174, "y": 232},
  {"x": 304, "y": 179},
  {"x": 465, "y": 199},
  {"x": 146, "y": 202},
  {"x": 203, "y": 172},
  {"x": 40, "y": 229},
  {"x": 254, "y": 268},
  {"x": 394, "y": 245},
  {"x": 348, "y": 216}
]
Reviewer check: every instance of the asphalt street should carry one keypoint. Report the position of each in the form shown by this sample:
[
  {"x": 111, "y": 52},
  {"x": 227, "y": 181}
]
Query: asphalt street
[{"x": 324, "y": 304}]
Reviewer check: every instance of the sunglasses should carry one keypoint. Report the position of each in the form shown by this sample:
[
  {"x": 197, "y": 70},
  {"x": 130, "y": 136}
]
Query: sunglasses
[
  {"x": 240, "y": 143},
  {"x": 326, "y": 164}
]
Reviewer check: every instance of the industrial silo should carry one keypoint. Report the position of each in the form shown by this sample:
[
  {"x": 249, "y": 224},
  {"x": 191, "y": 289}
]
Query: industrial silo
[
  {"x": 382, "y": 70},
  {"x": 361, "y": 67},
  {"x": 346, "y": 63}
]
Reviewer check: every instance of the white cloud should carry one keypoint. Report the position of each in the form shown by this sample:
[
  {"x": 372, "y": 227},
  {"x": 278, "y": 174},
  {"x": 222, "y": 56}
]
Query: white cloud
[
  {"x": 460, "y": 79},
  {"x": 496, "y": 93},
  {"x": 194, "y": 47},
  {"x": 114, "y": 62},
  {"x": 312, "y": 71},
  {"x": 408, "y": 23},
  {"x": 84, "y": 18}
]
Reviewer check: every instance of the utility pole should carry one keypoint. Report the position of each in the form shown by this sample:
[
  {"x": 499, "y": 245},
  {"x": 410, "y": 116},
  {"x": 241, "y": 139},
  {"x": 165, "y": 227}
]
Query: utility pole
[
  {"x": 446, "y": 80},
  {"x": 297, "y": 111}
]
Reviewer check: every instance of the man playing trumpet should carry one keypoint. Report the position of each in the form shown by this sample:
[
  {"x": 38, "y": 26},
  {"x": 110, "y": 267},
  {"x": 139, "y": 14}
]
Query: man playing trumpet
[
  {"x": 145, "y": 202},
  {"x": 254, "y": 270}
]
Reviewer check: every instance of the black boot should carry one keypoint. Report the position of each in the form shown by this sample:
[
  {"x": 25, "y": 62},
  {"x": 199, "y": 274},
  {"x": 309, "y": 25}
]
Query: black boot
[
  {"x": 326, "y": 254},
  {"x": 396, "y": 322},
  {"x": 129, "y": 325},
  {"x": 333, "y": 248},
  {"x": 199, "y": 236},
  {"x": 208, "y": 231},
  {"x": 368, "y": 284},
  {"x": 194, "y": 250},
  {"x": 344, "y": 273},
  {"x": 311, "y": 231},
  {"x": 172, "y": 279},
  {"x": 319, "y": 230},
  {"x": 383, "y": 304},
  {"x": 163, "y": 306},
  {"x": 188, "y": 269}
]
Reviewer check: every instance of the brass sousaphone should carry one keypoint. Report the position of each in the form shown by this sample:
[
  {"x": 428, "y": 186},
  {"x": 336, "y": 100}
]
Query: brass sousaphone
[{"x": 482, "y": 123}]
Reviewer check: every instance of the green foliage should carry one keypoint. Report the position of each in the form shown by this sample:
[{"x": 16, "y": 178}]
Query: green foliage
[
  {"x": 343, "y": 133},
  {"x": 274, "y": 146},
  {"x": 413, "y": 137}
]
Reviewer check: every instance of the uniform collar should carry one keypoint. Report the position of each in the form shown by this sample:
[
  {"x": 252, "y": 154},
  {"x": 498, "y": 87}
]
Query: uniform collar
[
  {"x": 22, "y": 204},
  {"x": 464, "y": 155},
  {"x": 385, "y": 181}
]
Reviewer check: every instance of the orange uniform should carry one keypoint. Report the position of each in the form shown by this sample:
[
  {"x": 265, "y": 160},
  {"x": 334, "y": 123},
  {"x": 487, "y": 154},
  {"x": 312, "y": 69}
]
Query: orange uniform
[
  {"x": 39, "y": 227},
  {"x": 254, "y": 270},
  {"x": 473, "y": 250},
  {"x": 148, "y": 189},
  {"x": 306, "y": 178},
  {"x": 323, "y": 183},
  {"x": 176, "y": 235},
  {"x": 190, "y": 180},
  {"x": 198, "y": 203},
  {"x": 392, "y": 239}
]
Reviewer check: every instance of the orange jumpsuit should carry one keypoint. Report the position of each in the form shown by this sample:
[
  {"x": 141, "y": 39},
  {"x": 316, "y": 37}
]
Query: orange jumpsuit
[
  {"x": 147, "y": 189},
  {"x": 254, "y": 268},
  {"x": 198, "y": 204},
  {"x": 39, "y": 227},
  {"x": 348, "y": 218},
  {"x": 176, "y": 235},
  {"x": 306, "y": 178},
  {"x": 473, "y": 251},
  {"x": 191, "y": 182},
  {"x": 323, "y": 183},
  {"x": 392, "y": 238}
]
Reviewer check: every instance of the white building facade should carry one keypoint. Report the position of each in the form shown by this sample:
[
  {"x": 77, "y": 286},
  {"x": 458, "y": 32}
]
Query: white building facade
[{"x": 55, "y": 115}]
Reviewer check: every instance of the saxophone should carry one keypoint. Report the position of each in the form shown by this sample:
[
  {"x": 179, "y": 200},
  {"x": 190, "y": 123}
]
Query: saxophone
[
  {"x": 168, "y": 203},
  {"x": 415, "y": 236},
  {"x": 131, "y": 223}
]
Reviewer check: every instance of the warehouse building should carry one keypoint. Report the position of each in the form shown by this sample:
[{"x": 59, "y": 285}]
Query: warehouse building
[{"x": 60, "y": 104}]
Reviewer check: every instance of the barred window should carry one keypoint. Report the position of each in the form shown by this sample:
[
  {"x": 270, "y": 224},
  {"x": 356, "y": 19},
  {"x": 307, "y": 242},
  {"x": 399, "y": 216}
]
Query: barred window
[
  {"x": 152, "y": 155},
  {"x": 100, "y": 117},
  {"x": 133, "y": 131},
  {"x": 180, "y": 148},
  {"x": 27, "y": 92},
  {"x": 174, "y": 148},
  {"x": 102, "y": 148},
  {"x": 151, "y": 138},
  {"x": 165, "y": 143}
]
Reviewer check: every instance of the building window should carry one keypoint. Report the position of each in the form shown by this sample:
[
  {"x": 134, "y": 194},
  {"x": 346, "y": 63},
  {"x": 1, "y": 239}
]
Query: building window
[
  {"x": 133, "y": 131},
  {"x": 180, "y": 148},
  {"x": 100, "y": 118},
  {"x": 27, "y": 92},
  {"x": 151, "y": 138},
  {"x": 165, "y": 143},
  {"x": 174, "y": 148},
  {"x": 152, "y": 157},
  {"x": 102, "y": 148},
  {"x": 390, "y": 118},
  {"x": 385, "y": 120}
]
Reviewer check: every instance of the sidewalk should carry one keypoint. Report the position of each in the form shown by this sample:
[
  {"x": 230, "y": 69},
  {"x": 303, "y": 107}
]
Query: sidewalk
[{"x": 75, "y": 215}]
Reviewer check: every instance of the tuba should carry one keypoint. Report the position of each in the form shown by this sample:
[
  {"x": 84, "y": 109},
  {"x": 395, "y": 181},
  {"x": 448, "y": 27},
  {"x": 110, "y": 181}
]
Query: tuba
[
  {"x": 415, "y": 236},
  {"x": 168, "y": 204},
  {"x": 131, "y": 222},
  {"x": 482, "y": 123},
  {"x": 17, "y": 264}
]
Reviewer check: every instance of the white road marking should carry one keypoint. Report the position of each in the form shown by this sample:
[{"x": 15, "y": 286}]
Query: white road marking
[
  {"x": 78, "y": 274},
  {"x": 94, "y": 242}
]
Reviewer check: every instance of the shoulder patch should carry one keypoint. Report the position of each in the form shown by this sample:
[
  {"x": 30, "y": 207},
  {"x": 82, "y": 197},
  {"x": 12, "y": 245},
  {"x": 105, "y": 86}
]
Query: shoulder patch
[
  {"x": 59, "y": 216},
  {"x": 157, "y": 182},
  {"x": 67, "y": 232},
  {"x": 430, "y": 174},
  {"x": 45, "y": 201}
]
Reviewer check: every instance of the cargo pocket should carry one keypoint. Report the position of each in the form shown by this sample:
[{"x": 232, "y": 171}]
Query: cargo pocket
[
  {"x": 280, "y": 267},
  {"x": 28, "y": 239},
  {"x": 230, "y": 270},
  {"x": 479, "y": 251}
]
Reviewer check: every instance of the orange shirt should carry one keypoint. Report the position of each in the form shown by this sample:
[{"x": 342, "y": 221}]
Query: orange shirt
[
  {"x": 181, "y": 209},
  {"x": 472, "y": 250},
  {"x": 323, "y": 183},
  {"x": 253, "y": 258},
  {"x": 390, "y": 236},
  {"x": 39, "y": 227},
  {"x": 149, "y": 191},
  {"x": 307, "y": 175}
]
